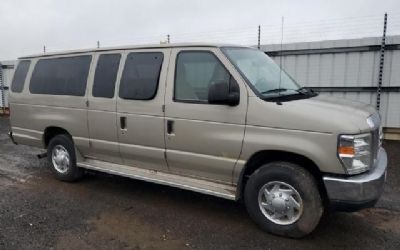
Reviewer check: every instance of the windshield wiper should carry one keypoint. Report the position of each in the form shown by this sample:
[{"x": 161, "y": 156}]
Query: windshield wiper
[
  {"x": 274, "y": 91},
  {"x": 305, "y": 90},
  {"x": 302, "y": 90}
]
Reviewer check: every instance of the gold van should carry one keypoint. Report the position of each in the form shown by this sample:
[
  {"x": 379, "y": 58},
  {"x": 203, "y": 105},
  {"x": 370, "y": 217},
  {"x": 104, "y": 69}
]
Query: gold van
[{"x": 216, "y": 119}]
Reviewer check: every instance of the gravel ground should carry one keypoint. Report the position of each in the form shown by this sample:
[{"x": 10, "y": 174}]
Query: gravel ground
[{"x": 110, "y": 212}]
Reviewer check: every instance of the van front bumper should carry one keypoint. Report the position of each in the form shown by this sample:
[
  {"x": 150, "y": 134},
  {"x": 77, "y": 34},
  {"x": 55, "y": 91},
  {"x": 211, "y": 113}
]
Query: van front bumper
[{"x": 352, "y": 193}]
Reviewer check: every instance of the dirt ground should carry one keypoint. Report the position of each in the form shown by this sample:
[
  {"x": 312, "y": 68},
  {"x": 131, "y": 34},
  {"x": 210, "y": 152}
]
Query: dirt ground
[{"x": 110, "y": 212}]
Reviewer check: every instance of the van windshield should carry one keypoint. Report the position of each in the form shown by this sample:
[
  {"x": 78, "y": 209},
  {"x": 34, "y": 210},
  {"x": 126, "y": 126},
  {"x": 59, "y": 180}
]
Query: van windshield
[{"x": 263, "y": 75}]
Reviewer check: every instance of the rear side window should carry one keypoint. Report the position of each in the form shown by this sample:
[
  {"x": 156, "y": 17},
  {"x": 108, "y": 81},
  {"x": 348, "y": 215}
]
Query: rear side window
[
  {"x": 141, "y": 75},
  {"x": 61, "y": 76},
  {"x": 106, "y": 75},
  {"x": 20, "y": 76}
]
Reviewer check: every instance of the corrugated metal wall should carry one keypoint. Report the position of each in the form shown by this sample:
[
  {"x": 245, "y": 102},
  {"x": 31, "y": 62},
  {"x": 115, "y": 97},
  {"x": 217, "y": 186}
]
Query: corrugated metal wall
[
  {"x": 7, "y": 72},
  {"x": 346, "y": 63}
]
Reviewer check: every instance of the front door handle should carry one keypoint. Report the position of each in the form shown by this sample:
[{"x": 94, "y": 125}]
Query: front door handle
[
  {"x": 170, "y": 127},
  {"x": 122, "y": 122}
]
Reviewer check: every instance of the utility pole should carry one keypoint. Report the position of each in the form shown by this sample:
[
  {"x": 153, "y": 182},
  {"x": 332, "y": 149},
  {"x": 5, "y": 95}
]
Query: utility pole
[
  {"x": 381, "y": 64},
  {"x": 168, "y": 40},
  {"x": 98, "y": 44},
  {"x": 44, "y": 49},
  {"x": 259, "y": 37}
]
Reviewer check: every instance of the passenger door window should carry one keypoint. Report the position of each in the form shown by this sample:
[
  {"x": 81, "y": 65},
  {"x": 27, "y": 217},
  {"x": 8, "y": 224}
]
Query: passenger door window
[
  {"x": 106, "y": 75},
  {"x": 196, "y": 71},
  {"x": 141, "y": 75}
]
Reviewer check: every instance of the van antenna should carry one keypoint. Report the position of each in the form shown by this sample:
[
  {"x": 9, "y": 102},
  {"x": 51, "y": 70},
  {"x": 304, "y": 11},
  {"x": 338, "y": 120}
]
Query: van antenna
[{"x": 280, "y": 59}]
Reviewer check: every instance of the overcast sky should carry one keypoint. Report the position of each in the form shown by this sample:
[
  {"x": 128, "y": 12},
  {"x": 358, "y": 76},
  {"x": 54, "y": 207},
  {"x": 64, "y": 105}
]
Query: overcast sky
[{"x": 27, "y": 25}]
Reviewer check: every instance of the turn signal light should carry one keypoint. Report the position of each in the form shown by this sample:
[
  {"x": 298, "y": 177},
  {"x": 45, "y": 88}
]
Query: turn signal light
[{"x": 346, "y": 150}]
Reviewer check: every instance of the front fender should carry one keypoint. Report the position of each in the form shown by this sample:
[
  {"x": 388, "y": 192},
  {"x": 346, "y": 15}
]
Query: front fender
[{"x": 317, "y": 146}]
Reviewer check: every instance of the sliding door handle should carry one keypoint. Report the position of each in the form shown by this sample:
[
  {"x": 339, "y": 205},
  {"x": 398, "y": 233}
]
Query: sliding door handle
[
  {"x": 122, "y": 122},
  {"x": 170, "y": 127}
]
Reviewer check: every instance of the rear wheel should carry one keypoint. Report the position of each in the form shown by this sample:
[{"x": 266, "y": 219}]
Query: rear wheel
[
  {"x": 62, "y": 158},
  {"x": 283, "y": 199}
]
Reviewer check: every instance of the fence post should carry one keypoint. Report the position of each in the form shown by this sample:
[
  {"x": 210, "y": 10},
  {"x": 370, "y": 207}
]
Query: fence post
[
  {"x": 381, "y": 64},
  {"x": 3, "y": 101}
]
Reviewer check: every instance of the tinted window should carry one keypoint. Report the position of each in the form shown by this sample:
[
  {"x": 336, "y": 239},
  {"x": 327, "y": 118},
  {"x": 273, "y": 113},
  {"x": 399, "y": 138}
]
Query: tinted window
[
  {"x": 19, "y": 76},
  {"x": 195, "y": 72},
  {"x": 141, "y": 74},
  {"x": 105, "y": 76},
  {"x": 61, "y": 76}
]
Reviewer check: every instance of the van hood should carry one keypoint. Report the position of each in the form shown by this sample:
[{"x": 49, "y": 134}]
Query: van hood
[{"x": 317, "y": 114}]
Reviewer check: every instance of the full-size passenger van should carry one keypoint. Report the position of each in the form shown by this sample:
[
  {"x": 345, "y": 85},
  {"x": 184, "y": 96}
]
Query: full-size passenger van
[{"x": 217, "y": 119}]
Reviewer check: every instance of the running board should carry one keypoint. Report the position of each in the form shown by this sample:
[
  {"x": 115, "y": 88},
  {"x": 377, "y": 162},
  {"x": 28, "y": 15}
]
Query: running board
[{"x": 183, "y": 182}]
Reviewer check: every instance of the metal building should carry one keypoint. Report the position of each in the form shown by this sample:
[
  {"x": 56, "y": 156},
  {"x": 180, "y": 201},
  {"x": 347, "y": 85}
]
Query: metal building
[
  {"x": 347, "y": 69},
  {"x": 6, "y": 74}
]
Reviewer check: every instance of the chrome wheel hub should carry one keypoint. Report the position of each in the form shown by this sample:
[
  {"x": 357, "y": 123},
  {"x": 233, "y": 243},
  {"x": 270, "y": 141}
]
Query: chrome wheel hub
[
  {"x": 60, "y": 159},
  {"x": 280, "y": 203}
]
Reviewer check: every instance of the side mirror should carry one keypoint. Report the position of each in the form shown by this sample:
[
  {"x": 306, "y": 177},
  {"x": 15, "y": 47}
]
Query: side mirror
[{"x": 223, "y": 94}]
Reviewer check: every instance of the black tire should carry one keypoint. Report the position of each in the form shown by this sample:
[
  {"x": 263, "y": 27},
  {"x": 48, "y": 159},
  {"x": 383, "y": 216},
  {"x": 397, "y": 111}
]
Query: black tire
[
  {"x": 305, "y": 185},
  {"x": 73, "y": 172}
]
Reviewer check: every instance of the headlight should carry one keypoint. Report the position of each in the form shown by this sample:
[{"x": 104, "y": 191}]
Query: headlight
[{"x": 355, "y": 152}]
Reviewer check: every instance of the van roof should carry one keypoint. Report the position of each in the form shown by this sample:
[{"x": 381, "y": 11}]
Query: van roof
[{"x": 150, "y": 46}]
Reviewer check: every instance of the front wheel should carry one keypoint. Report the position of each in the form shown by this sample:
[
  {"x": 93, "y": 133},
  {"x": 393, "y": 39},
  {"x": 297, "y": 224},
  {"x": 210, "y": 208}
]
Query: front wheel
[
  {"x": 283, "y": 199},
  {"x": 62, "y": 159}
]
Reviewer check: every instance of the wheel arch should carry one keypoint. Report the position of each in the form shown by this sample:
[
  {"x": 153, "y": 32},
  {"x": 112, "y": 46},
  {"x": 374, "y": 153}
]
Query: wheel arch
[
  {"x": 266, "y": 156},
  {"x": 52, "y": 131}
]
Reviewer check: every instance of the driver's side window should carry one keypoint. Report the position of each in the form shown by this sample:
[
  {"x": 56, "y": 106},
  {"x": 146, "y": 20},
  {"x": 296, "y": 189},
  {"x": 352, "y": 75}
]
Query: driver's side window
[{"x": 195, "y": 72}]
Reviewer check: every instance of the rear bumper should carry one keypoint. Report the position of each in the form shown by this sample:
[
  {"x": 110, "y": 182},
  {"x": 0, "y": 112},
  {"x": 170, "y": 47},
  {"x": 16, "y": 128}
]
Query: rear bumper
[
  {"x": 10, "y": 134},
  {"x": 356, "y": 192}
]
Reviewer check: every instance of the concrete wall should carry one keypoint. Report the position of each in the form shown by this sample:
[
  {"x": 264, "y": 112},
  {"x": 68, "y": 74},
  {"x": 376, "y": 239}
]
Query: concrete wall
[{"x": 346, "y": 69}]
